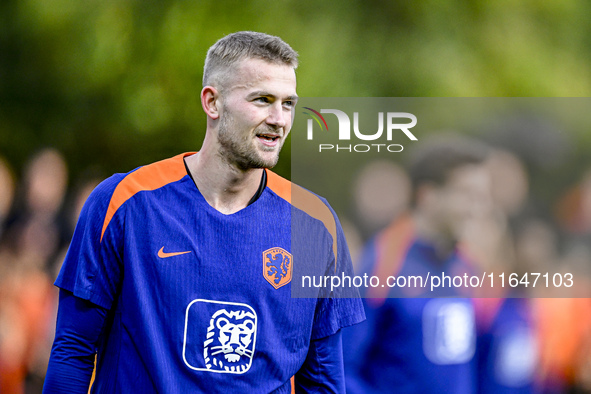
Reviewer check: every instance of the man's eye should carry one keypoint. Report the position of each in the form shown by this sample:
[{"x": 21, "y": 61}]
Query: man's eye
[
  {"x": 262, "y": 99},
  {"x": 288, "y": 103}
]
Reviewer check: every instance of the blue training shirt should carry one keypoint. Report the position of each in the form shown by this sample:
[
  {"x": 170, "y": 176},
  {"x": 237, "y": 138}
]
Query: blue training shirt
[{"x": 199, "y": 300}]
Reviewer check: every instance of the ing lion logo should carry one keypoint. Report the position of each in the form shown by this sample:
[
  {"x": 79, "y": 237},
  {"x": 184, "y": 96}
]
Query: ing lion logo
[
  {"x": 229, "y": 346},
  {"x": 277, "y": 266}
]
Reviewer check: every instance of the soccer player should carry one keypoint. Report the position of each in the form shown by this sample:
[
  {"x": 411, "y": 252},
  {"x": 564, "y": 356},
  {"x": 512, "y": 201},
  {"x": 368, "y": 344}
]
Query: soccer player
[
  {"x": 178, "y": 276},
  {"x": 412, "y": 342}
]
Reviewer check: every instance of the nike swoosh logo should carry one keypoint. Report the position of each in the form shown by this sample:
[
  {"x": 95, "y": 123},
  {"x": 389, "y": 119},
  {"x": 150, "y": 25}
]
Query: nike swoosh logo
[{"x": 162, "y": 254}]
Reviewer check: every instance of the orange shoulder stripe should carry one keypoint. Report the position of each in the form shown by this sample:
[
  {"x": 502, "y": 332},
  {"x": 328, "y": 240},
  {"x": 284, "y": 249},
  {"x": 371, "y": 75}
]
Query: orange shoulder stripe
[
  {"x": 280, "y": 185},
  {"x": 150, "y": 177},
  {"x": 307, "y": 202}
]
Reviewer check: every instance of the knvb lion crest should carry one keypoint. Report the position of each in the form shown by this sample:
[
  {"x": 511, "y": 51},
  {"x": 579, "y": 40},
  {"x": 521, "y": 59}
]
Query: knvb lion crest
[
  {"x": 220, "y": 336},
  {"x": 230, "y": 343},
  {"x": 277, "y": 266}
]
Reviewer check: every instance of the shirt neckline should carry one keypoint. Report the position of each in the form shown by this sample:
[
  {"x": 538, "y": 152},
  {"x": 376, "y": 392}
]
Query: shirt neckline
[{"x": 244, "y": 211}]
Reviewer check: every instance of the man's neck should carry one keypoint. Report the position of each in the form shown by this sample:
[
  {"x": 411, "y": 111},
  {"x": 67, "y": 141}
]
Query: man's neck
[{"x": 226, "y": 188}]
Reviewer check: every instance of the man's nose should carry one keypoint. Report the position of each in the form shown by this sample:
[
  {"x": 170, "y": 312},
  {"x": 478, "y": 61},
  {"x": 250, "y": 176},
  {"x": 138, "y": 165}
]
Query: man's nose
[{"x": 278, "y": 116}]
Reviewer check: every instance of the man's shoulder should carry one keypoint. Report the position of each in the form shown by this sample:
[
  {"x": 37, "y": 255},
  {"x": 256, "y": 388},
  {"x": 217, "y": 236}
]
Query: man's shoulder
[
  {"x": 153, "y": 176},
  {"x": 147, "y": 177},
  {"x": 113, "y": 192}
]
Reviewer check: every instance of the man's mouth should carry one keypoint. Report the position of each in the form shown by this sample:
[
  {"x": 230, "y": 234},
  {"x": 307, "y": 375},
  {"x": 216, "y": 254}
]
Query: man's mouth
[
  {"x": 270, "y": 140},
  {"x": 268, "y": 137}
]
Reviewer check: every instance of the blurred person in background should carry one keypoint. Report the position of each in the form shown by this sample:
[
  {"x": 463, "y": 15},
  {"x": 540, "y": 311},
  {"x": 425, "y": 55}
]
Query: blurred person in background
[
  {"x": 29, "y": 248},
  {"x": 423, "y": 345},
  {"x": 36, "y": 227},
  {"x": 507, "y": 346}
]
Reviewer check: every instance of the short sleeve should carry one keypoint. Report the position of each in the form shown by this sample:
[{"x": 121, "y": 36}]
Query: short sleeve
[{"x": 93, "y": 265}]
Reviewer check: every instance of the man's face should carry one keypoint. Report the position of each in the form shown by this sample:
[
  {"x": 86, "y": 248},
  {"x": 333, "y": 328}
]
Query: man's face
[{"x": 257, "y": 104}]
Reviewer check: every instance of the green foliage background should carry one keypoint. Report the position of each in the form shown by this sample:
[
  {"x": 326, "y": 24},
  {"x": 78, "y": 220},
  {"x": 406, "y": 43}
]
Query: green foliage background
[{"x": 115, "y": 84}]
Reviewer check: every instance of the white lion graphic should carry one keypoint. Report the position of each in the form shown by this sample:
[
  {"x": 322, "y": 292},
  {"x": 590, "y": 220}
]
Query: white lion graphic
[{"x": 229, "y": 341}]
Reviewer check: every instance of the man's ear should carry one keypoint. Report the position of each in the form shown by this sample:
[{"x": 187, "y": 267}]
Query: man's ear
[{"x": 210, "y": 101}]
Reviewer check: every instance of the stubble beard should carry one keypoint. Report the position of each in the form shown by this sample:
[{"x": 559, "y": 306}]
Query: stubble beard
[{"x": 240, "y": 149}]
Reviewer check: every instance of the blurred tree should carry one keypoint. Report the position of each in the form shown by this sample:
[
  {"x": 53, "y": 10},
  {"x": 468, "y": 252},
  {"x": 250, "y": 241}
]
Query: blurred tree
[{"x": 115, "y": 84}]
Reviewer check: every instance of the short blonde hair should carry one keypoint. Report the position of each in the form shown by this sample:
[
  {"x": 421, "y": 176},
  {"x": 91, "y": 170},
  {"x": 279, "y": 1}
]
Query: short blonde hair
[{"x": 231, "y": 49}]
